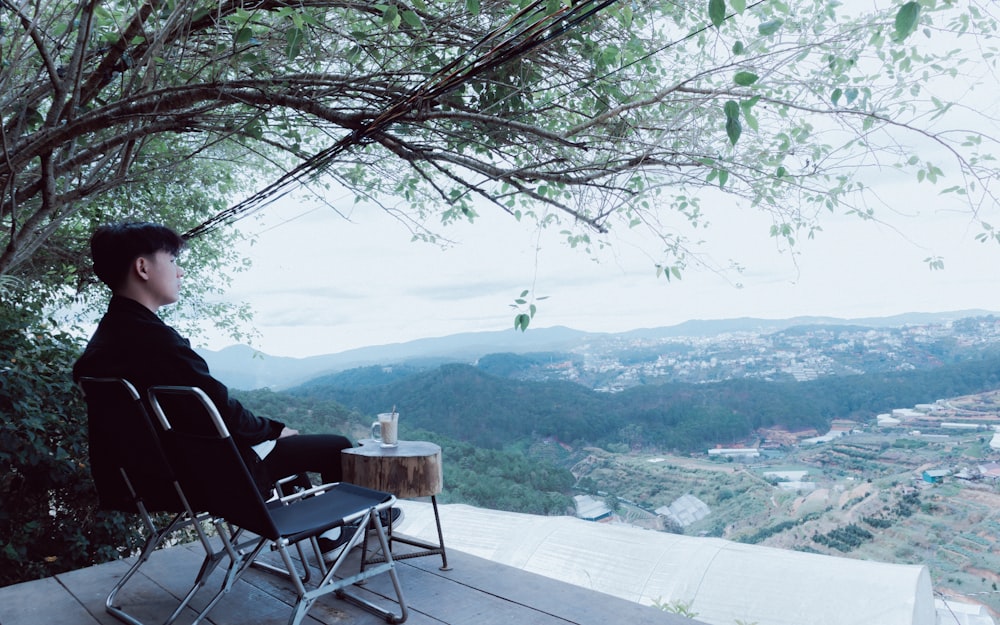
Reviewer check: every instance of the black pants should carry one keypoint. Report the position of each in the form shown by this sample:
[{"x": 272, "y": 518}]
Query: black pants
[{"x": 302, "y": 453}]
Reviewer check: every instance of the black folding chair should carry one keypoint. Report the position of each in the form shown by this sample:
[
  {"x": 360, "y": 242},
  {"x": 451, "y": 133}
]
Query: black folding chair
[
  {"x": 132, "y": 475},
  {"x": 213, "y": 474}
]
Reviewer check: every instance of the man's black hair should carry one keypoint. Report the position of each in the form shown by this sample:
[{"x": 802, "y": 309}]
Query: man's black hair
[{"x": 114, "y": 247}]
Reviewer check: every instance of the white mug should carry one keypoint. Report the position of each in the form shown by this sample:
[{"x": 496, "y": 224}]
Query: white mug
[{"x": 385, "y": 430}]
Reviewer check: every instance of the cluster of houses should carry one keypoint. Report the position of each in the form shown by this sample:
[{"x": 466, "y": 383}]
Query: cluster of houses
[{"x": 984, "y": 471}]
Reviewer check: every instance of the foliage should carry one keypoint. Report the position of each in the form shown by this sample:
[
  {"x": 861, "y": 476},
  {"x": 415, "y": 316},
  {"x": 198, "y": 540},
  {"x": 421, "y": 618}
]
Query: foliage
[
  {"x": 48, "y": 518},
  {"x": 307, "y": 415},
  {"x": 680, "y": 607},
  {"x": 502, "y": 479},
  {"x": 490, "y": 478},
  {"x": 761, "y": 534},
  {"x": 508, "y": 365},
  {"x": 585, "y": 116},
  {"x": 465, "y": 403},
  {"x": 845, "y": 539}
]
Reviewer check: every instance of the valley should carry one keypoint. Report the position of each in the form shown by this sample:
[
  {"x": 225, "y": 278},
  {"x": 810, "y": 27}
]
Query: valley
[{"x": 861, "y": 496}]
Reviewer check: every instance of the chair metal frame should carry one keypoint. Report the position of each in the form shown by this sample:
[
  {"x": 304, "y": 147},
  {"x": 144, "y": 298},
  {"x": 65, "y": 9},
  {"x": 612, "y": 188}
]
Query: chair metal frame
[
  {"x": 116, "y": 404},
  {"x": 214, "y": 475}
]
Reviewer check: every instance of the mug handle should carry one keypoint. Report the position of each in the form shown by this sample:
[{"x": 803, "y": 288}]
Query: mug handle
[{"x": 377, "y": 437}]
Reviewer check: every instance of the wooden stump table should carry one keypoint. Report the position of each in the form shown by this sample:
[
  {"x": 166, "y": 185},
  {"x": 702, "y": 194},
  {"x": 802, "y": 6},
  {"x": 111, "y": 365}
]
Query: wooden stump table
[{"x": 409, "y": 470}]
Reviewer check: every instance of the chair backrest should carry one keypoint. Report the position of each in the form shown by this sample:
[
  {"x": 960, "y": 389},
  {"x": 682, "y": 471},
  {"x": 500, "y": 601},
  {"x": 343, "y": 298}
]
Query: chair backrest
[
  {"x": 127, "y": 461},
  {"x": 209, "y": 467}
]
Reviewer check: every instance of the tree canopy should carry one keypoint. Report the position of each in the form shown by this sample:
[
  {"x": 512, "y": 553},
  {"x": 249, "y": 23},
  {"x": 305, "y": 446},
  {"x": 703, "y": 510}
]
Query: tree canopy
[{"x": 591, "y": 114}]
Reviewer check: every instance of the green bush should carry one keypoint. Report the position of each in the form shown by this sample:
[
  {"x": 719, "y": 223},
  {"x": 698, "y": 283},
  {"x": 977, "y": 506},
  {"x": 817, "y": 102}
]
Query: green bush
[{"x": 48, "y": 519}]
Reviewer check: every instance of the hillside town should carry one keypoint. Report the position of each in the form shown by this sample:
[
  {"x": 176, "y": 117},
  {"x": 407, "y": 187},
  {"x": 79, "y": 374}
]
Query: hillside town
[
  {"x": 917, "y": 485},
  {"x": 802, "y": 353}
]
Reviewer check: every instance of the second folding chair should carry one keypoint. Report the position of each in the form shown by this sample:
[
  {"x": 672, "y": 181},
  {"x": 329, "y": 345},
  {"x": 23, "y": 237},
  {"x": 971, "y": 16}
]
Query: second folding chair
[{"x": 213, "y": 475}]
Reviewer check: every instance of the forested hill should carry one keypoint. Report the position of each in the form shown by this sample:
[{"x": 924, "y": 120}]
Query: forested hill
[{"x": 465, "y": 403}]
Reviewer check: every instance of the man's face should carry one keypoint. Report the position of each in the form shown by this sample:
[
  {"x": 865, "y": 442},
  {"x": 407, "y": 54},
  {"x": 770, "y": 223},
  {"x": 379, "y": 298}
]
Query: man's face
[{"x": 164, "y": 278}]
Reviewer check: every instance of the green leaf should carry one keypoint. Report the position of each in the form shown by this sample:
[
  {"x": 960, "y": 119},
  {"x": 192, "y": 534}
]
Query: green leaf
[
  {"x": 243, "y": 35},
  {"x": 472, "y": 6},
  {"x": 521, "y": 322},
  {"x": 412, "y": 19},
  {"x": 836, "y": 95},
  {"x": 769, "y": 28},
  {"x": 906, "y": 20},
  {"x": 738, "y": 47},
  {"x": 293, "y": 42},
  {"x": 738, "y": 5},
  {"x": 934, "y": 263},
  {"x": 745, "y": 79},
  {"x": 749, "y": 117},
  {"x": 391, "y": 17},
  {"x": 717, "y": 12},
  {"x": 733, "y": 127}
]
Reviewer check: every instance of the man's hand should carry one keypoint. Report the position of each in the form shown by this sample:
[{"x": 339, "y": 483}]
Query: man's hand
[{"x": 287, "y": 431}]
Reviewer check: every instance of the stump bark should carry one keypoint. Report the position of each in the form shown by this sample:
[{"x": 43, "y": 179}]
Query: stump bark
[{"x": 412, "y": 469}]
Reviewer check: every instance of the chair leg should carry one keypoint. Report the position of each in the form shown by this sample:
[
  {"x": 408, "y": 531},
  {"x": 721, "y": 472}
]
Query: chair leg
[
  {"x": 329, "y": 585},
  {"x": 152, "y": 542},
  {"x": 241, "y": 556},
  {"x": 156, "y": 538},
  {"x": 306, "y": 573}
]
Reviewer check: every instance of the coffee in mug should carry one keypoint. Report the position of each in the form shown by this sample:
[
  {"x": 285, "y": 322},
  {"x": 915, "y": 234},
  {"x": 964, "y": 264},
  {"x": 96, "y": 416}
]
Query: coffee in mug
[{"x": 385, "y": 430}]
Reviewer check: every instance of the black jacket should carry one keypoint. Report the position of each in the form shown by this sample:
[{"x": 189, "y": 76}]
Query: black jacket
[{"x": 132, "y": 342}]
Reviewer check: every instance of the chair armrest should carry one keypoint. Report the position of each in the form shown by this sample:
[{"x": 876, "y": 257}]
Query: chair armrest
[{"x": 315, "y": 490}]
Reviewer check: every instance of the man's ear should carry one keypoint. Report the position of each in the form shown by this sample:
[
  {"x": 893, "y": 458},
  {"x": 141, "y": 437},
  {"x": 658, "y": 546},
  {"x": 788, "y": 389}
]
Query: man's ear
[{"x": 141, "y": 267}]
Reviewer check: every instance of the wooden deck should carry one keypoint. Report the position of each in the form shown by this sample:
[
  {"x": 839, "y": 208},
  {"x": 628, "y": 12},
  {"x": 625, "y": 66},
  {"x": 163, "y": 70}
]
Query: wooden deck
[{"x": 473, "y": 591}]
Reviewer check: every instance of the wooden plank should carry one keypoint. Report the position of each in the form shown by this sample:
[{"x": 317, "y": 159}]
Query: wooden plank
[
  {"x": 142, "y": 597},
  {"x": 234, "y": 608},
  {"x": 41, "y": 601},
  {"x": 448, "y": 598},
  {"x": 474, "y": 591},
  {"x": 331, "y": 609},
  {"x": 265, "y": 596}
]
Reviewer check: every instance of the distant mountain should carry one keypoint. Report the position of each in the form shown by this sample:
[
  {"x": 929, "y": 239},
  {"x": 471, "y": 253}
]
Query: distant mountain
[
  {"x": 242, "y": 367},
  {"x": 714, "y": 327}
]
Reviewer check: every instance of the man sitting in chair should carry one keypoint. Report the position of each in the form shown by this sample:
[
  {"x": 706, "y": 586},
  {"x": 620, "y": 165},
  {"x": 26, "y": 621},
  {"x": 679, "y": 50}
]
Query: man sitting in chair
[{"x": 138, "y": 262}]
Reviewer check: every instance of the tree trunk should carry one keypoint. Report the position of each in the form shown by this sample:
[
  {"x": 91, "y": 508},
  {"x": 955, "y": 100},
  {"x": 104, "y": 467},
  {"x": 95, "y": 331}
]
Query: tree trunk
[{"x": 412, "y": 469}]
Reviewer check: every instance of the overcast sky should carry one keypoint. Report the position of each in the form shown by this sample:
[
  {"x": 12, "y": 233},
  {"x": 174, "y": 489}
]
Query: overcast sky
[{"x": 322, "y": 284}]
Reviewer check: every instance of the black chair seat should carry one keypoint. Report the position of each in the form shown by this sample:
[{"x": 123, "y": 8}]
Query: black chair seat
[{"x": 336, "y": 507}]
